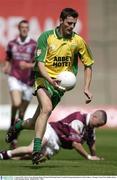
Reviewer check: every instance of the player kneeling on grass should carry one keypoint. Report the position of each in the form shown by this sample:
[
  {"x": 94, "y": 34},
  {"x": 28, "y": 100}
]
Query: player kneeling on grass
[{"x": 70, "y": 132}]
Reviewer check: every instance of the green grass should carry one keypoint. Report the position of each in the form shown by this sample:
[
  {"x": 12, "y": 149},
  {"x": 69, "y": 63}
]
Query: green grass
[{"x": 66, "y": 162}]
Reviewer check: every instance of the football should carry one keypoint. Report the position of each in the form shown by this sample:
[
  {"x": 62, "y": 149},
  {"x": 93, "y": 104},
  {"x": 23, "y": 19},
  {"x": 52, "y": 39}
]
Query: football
[{"x": 67, "y": 80}]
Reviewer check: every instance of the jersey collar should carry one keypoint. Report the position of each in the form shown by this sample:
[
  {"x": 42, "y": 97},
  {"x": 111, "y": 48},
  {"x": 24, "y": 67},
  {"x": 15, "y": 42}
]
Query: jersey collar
[
  {"x": 59, "y": 36},
  {"x": 27, "y": 40}
]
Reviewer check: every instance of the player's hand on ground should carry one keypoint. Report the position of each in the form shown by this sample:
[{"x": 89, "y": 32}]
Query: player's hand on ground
[
  {"x": 95, "y": 158},
  {"x": 88, "y": 95}
]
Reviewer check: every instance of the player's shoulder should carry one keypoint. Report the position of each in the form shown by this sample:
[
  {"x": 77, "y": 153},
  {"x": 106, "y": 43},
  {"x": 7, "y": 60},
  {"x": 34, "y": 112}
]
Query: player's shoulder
[
  {"x": 78, "y": 37},
  {"x": 47, "y": 33},
  {"x": 32, "y": 41},
  {"x": 78, "y": 113},
  {"x": 81, "y": 116},
  {"x": 13, "y": 41}
]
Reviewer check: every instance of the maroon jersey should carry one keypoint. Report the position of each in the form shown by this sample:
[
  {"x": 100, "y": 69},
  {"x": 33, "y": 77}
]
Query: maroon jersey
[
  {"x": 17, "y": 52},
  {"x": 74, "y": 128}
]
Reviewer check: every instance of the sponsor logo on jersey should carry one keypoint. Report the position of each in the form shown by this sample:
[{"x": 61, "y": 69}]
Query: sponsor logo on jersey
[
  {"x": 14, "y": 49},
  {"x": 62, "y": 61},
  {"x": 29, "y": 49}
]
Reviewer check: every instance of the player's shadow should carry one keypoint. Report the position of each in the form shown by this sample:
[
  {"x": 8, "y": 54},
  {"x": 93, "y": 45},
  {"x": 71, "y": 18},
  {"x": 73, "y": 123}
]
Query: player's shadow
[{"x": 47, "y": 166}]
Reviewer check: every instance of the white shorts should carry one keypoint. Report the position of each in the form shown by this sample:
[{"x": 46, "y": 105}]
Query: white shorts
[
  {"x": 15, "y": 84},
  {"x": 53, "y": 142}
]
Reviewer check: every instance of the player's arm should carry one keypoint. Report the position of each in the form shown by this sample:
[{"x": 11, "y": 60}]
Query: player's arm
[
  {"x": 91, "y": 142},
  {"x": 43, "y": 72},
  {"x": 80, "y": 149},
  {"x": 26, "y": 65},
  {"x": 87, "y": 60},
  {"x": 7, "y": 64},
  {"x": 6, "y": 67},
  {"x": 40, "y": 58},
  {"x": 92, "y": 148},
  {"x": 87, "y": 82}
]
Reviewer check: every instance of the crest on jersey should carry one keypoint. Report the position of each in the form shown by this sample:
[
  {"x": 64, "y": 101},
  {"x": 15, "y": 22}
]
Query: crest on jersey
[
  {"x": 29, "y": 49},
  {"x": 52, "y": 47},
  {"x": 15, "y": 48},
  {"x": 38, "y": 52}
]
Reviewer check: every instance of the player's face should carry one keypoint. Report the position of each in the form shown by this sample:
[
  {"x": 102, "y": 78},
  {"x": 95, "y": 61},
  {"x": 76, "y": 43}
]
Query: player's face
[
  {"x": 67, "y": 25},
  {"x": 95, "y": 121},
  {"x": 24, "y": 29}
]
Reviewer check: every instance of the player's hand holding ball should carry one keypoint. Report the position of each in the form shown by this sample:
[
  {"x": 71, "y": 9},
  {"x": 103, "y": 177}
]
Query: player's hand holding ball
[{"x": 66, "y": 80}]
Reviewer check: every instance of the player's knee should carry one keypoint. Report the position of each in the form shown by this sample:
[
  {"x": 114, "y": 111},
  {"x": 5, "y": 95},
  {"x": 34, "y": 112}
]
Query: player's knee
[
  {"x": 46, "y": 110},
  {"x": 29, "y": 150},
  {"x": 17, "y": 104},
  {"x": 31, "y": 123}
]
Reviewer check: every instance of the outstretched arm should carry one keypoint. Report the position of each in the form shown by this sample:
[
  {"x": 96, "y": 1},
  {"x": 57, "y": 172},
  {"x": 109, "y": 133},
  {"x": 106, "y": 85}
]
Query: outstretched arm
[
  {"x": 87, "y": 81},
  {"x": 79, "y": 148},
  {"x": 92, "y": 149}
]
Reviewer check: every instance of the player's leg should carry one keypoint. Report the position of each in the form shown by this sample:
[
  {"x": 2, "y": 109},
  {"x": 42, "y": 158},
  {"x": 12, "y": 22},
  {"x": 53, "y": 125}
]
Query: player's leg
[
  {"x": 26, "y": 98},
  {"x": 16, "y": 103},
  {"x": 52, "y": 144},
  {"x": 16, "y": 96},
  {"x": 18, "y": 152},
  {"x": 23, "y": 108},
  {"x": 15, "y": 89},
  {"x": 40, "y": 125},
  {"x": 28, "y": 123},
  {"x": 20, "y": 125}
]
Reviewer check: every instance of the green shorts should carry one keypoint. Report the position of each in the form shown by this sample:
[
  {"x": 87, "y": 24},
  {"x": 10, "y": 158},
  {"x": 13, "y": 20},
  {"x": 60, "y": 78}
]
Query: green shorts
[{"x": 54, "y": 93}]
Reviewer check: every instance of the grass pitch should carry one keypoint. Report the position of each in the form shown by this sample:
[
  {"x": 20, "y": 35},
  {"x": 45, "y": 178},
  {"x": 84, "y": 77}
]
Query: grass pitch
[{"x": 66, "y": 162}]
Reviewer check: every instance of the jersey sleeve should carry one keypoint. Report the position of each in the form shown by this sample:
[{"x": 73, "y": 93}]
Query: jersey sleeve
[
  {"x": 85, "y": 53},
  {"x": 41, "y": 49}
]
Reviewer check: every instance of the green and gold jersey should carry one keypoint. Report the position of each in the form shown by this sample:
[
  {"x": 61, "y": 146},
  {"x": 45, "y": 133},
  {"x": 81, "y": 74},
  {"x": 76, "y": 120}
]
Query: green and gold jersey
[{"x": 61, "y": 54}]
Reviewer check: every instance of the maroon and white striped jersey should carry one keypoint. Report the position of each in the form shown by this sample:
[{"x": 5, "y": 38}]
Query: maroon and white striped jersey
[
  {"x": 18, "y": 51},
  {"x": 74, "y": 128}
]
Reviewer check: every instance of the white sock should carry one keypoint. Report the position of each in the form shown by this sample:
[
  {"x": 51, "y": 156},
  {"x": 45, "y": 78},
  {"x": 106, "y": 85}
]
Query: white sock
[
  {"x": 1, "y": 156},
  {"x": 9, "y": 153}
]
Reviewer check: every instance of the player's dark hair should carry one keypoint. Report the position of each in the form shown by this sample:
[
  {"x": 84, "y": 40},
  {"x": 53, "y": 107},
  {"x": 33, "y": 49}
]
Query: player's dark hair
[
  {"x": 68, "y": 12},
  {"x": 103, "y": 115},
  {"x": 23, "y": 21}
]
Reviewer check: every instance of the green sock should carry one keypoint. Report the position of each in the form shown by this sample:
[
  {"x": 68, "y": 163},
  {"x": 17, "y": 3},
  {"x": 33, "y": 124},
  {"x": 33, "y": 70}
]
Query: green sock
[
  {"x": 18, "y": 125},
  {"x": 37, "y": 145}
]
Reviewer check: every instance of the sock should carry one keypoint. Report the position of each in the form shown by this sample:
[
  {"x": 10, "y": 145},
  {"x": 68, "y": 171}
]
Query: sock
[
  {"x": 9, "y": 153},
  {"x": 18, "y": 125},
  {"x": 37, "y": 145},
  {"x": 12, "y": 121},
  {"x": 1, "y": 156}
]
